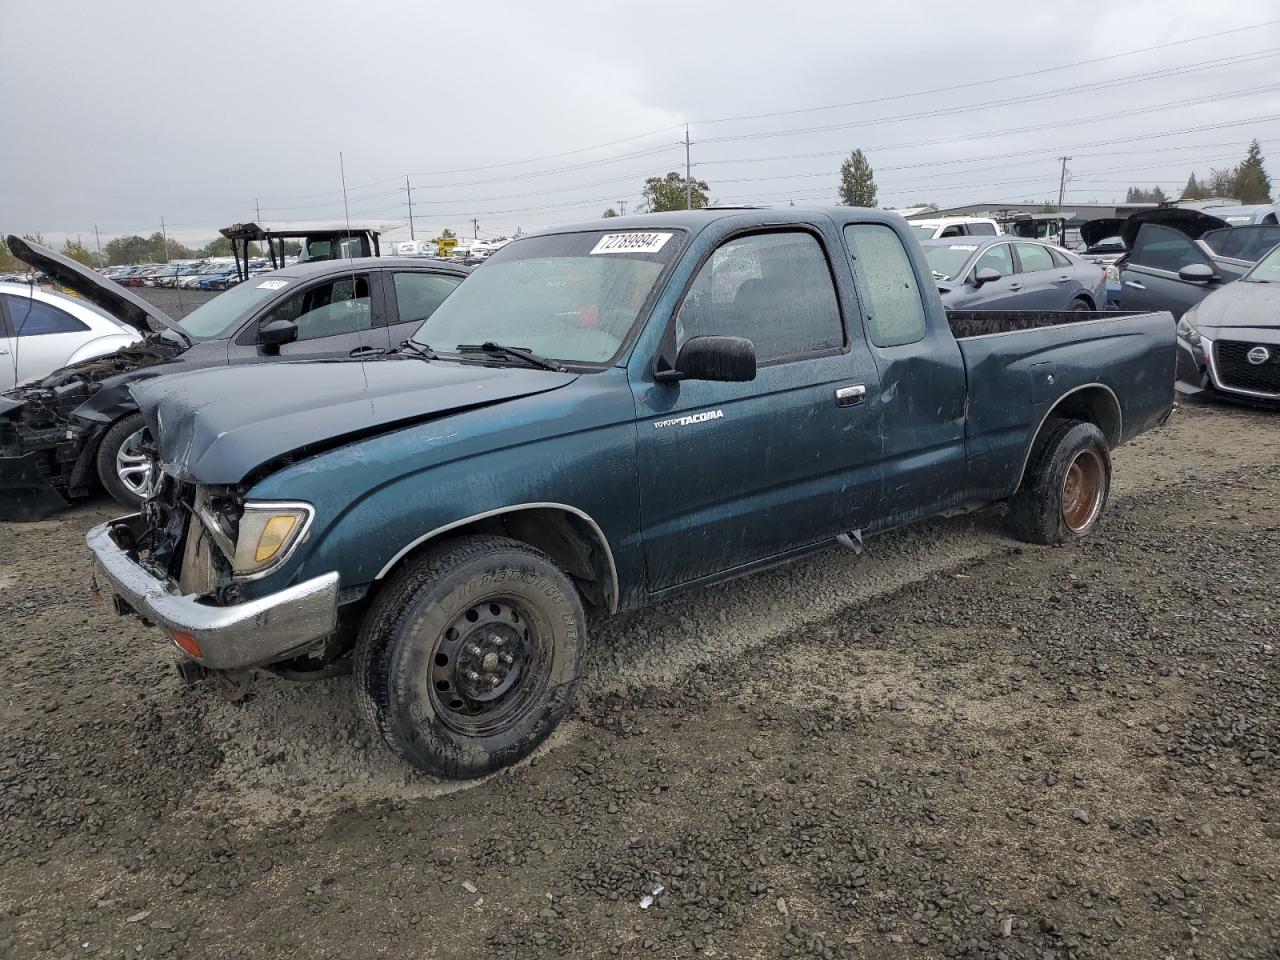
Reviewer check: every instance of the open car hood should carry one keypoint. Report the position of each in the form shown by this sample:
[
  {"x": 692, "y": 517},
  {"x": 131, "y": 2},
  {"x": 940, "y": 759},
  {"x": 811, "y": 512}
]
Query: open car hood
[
  {"x": 1194, "y": 223},
  {"x": 1095, "y": 231},
  {"x": 106, "y": 294},
  {"x": 218, "y": 425}
]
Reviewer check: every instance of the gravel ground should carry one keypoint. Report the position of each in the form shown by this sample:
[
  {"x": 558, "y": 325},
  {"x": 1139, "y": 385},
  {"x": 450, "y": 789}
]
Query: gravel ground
[{"x": 952, "y": 746}]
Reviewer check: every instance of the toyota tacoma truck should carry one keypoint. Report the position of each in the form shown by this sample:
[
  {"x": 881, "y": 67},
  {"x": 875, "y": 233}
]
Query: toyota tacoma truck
[{"x": 603, "y": 415}]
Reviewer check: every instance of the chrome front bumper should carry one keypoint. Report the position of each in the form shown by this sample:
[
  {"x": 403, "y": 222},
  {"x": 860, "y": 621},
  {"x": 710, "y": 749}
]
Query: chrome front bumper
[{"x": 228, "y": 638}]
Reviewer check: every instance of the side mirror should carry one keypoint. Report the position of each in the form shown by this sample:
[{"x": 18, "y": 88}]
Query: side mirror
[
  {"x": 725, "y": 359},
  {"x": 276, "y": 334},
  {"x": 1197, "y": 273},
  {"x": 985, "y": 275}
]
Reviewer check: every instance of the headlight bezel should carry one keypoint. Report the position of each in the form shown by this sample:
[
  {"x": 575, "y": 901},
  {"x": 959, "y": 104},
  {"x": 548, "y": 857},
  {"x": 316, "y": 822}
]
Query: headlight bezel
[
  {"x": 1188, "y": 331},
  {"x": 254, "y": 520}
]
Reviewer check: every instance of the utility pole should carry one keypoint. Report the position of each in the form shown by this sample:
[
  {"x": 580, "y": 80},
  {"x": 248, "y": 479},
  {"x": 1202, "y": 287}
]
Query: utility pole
[
  {"x": 408, "y": 192},
  {"x": 1062, "y": 193},
  {"x": 99, "y": 240},
  {"x": 622, "y": 208},
  {"x": 165, "y": 235},
  {"x": 688, "y": 182},
  {"x": 475, "y": 228},
  {"x": 257, "y": 210}
]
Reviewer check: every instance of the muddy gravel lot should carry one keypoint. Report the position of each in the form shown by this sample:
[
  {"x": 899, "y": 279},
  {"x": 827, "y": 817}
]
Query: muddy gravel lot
[{"x": 952, "y": 746}]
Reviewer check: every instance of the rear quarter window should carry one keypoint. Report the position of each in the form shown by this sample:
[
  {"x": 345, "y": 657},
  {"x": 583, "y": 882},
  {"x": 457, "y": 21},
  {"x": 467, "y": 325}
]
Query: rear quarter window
[
  {"x": 891, "y": 301},
  {"x": 34, "y": 318}
]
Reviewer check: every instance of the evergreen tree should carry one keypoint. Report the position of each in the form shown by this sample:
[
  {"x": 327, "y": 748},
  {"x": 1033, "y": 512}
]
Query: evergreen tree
[
  {"x": 857, "y": 181},
  {"x": 1252, "y": 183},
  {"x": 1193, "y": 190}
]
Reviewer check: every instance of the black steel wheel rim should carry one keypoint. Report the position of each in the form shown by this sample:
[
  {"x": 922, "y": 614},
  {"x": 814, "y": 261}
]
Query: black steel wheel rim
[{"x": 488, "y": 665}]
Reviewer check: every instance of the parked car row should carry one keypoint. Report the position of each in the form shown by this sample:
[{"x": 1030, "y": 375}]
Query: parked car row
[{"x": 77, "y": 427}]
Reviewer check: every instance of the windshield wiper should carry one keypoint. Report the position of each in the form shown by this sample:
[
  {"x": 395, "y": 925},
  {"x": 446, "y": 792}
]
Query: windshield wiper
[
  {"x": 419, "y": 349},
  {"x": 519, "y": 353}
]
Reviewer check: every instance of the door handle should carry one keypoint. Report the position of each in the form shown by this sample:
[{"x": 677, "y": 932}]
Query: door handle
[
  {"x": 1135, "y": 284},
  {"x": 850, "y": 396},
  {"x": 1015, "y": 286},
  {"x": 4, "y": 349}
]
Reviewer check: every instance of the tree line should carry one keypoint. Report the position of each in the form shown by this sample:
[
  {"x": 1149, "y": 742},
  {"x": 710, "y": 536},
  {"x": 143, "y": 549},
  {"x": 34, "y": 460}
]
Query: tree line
[{"x": 1246, "y": 182}]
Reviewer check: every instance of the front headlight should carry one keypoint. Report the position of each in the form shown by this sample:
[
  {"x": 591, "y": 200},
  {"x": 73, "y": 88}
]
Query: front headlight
[
  {"x": 267, "y": 535},
  {"x": 1187, "y": 330}
]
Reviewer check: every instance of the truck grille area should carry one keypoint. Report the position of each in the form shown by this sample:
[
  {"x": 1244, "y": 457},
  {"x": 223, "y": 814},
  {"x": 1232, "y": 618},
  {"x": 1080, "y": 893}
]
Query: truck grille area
[{"x": 1237, "y": 372}]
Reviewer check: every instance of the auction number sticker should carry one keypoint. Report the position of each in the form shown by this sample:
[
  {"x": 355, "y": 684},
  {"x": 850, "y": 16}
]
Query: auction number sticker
[
  {"x": 272, "y": 284},
  {"x": 631, "y": 243},
  {"x": 962, "y": 246}
]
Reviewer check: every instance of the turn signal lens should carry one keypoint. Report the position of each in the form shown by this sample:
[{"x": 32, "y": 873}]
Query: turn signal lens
[
  {"x": 274, "y": 536},
  {"x": 267, "y": 533},
  {"x": 186, "y": 641}
]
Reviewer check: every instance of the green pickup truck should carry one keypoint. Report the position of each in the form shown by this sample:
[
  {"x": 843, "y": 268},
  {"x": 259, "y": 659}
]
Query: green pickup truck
[{"x": 600, "y": 416}]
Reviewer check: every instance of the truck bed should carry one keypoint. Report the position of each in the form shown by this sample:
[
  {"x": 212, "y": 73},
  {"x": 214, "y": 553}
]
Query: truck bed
[
  {"x": 1121, "y": 361},
  {"x": 982, "y": 323}
]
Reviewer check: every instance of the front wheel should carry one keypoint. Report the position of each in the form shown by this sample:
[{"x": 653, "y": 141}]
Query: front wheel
[
  {"x": 125, "y": 465},
  {"x": 469, "y": 657},
  {"x": 1065, "y": 488}
]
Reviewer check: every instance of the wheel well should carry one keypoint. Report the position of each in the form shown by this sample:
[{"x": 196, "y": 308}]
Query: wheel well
[
  {"x": 1088, "y": 300},
  {"x": 572, "y": 540},
  {"x": 1094, "y": 404}
]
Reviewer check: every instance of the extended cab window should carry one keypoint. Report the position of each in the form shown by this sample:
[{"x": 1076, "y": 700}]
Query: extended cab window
[
  {"x": 982, "y": 230},
  {"x": 1034, "y": 257},
  {"x": 40, "y": 319},
  {"x": 418, "y": 294},
  {"x": 328, "y": 309},
  {"x": 890, "y": 294},
  {"x": 775, "y": 289},
  {"x": 1163, "y": 248}
]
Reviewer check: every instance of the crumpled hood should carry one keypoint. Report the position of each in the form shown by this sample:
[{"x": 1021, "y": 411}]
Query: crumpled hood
[
  {"x": 216, "y": 426},
  {"x": 1239, "y": 304},
  {"x": 102, "y": 293}
]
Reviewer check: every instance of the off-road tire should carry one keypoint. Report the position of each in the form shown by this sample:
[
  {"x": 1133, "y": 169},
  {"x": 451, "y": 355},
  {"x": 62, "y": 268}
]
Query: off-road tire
[
  {"x": 112, "y": 440},
  {"x": 1036, "y": 511},
  {"x": 397, "y": 648}
]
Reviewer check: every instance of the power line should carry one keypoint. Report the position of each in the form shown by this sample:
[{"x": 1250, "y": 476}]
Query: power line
[{"x": 968, "y": 108}]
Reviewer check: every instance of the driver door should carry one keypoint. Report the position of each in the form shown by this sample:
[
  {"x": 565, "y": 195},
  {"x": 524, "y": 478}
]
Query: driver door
[
  {"x": 1002, "y": 294},
  {"x": 735, "y": 473},
  {"x": 339, "y": 316}
]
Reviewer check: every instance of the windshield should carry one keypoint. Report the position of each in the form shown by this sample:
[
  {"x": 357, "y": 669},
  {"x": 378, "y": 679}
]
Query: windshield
[
  {"x": 570, "y": 296},
  {"x": 922, "y": 231},
  {"x": 1267, "y": 270},
  {"x": 221, "y": 316},
  {"x": 1109, "y": 243},
  {"x": 948, "y": 261}
]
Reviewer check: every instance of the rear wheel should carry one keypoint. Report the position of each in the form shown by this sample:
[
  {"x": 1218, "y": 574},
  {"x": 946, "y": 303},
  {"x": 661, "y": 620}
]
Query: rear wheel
[
  {"x": 469, "y": 657},
  {"x": 125, "y": 465},
  {"x": 1080, "y": 305},
  {"x": 1065, "y": 488}
]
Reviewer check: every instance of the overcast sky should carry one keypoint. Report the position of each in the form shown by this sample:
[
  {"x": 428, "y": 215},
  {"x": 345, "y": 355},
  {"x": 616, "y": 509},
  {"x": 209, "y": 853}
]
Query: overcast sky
[{"x": 122, "y": 113}]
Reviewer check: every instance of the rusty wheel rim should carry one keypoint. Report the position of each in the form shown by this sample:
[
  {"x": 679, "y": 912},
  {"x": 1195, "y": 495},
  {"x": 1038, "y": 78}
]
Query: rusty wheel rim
[{"x": 1082, "y": 491}]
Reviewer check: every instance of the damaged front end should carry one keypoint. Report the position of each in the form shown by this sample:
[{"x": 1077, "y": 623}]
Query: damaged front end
[
  {"x": 48, "y": 442},
  {"x": 185, "y": 564}
]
